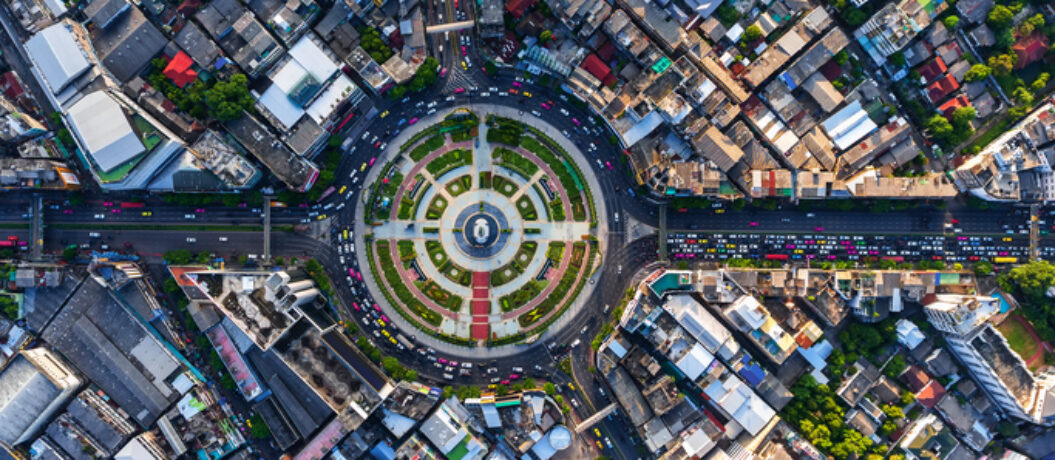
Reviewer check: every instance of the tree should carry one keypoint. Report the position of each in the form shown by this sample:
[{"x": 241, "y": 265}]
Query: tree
[
  {"x": 228, "y": 99},
  {"x": 178, "y": 256},
  {"x": 258, "y": 428},
  {"x": 490, "y": 68},
  {"x": 893, "y": 412},
  {"x": 895, "y": 367},
  {"x": 1000, "y": 17},
  {"x": 898, "y": 59},
  {"x": 983, "y": 268},
  {"x": 977, "y": 72},
  {"x": 397, "y": 92},
  {"x": 951, "y": 22},
  {"x": 1007, "y": 429},
  {"x": 752, "y": 33},
  {"x": 549, "y": 388},
  {"x": 907, "y": 398},
  {"x": 962, "y": 116},
  {"x": 69, "y": 253},
  {"x": 939, "y": 128},
  {"x": 1003, "y": 64},
  {"x": 854, "y": 16},
  {"x": 888, "y": 427},
  {"x": 529, "y": 383},
  {"x": 842, "y": 57},
  {"x": 545, "y": 36},
  {"x": 1022, "y": 96},
  {"x": 1040, "y": 82}
]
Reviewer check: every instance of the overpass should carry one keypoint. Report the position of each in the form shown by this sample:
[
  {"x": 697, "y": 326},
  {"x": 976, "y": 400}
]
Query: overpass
[
  {"x": 596, "y": 417},
  {"x": 448, "y": 27}
]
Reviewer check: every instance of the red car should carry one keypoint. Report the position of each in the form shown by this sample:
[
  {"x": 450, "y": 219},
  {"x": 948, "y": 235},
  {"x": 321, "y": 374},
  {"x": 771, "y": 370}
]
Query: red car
[{"x": 753, "y": 224}]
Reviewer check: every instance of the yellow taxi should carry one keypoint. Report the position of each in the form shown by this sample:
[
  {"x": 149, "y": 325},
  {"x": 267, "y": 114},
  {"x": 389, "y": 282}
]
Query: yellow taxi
[
  {"x": 393, "y": 340},
  {"x": 363, "y": 167},
  {"x": 147, "y": 213},
  {"x": 1007, "y": 238},
  {"x": 322, "y": 216},
  {"x": 527, "y": 94},
  {"x": 384, "y": 114},
  {"x": 385, "y": 333},
  {"x": 720, "y": 211},
  {"x": 464, "y": 67},
  {"x": 597, "y": 432}
]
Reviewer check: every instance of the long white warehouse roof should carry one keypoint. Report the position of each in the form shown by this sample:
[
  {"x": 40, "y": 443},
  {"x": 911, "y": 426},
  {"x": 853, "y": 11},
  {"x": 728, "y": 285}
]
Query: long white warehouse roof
[{"x": 57, "y": 55}]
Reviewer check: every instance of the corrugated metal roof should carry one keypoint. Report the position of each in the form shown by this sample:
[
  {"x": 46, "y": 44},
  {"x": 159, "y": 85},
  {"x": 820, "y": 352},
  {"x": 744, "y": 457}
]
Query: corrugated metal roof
[{"x": 57, "y": 55}]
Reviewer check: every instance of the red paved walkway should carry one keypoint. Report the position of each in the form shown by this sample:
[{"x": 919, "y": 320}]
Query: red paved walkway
[{"x": 481, "y": 305}]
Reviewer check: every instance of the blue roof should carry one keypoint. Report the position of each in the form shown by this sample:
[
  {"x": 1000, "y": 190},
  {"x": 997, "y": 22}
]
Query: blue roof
[
  {"x": 383, "y": 451},
  {"x": 751, "y": 371}
]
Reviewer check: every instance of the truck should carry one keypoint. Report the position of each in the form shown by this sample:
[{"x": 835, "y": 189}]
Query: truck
[{"x": 405, "y": 341}]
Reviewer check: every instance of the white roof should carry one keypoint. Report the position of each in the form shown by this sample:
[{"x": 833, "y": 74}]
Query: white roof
[
  {"x": 331, "y": 97},
  {"x": 647, "y": 124},
  {"x": 313, "y": 59},
  {"x": 283, "y": 109},
  {"x": 786, "y": 141},
  {"x": 908, "y": 334},
  {"x": 56, "y": 7},
  {"x": 134, "y": 450},
  {"x": 703, "y": 326},
  {"x": 57, "y": 55},
  {"x": 848, "y": 125},
  {"x": 734, "y": 32},
  {"x": 694, "y": 362},
  {"x": 750, "y": 311},
  {"x": 740, "y": 402},
  {"x": 103, "y": 128}
]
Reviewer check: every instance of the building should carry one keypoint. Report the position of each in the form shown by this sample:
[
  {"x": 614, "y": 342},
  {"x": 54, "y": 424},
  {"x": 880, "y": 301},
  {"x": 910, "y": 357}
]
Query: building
[
  {"x": 908, "y": 334},
  {"x": 99, "y": 336},
  {"x": 24, "y": 173},
  {"x": 307, "y": 88},
  {"x": 242, "y": 37},
  {"x": 369, "y": 71},
  {"x": 124, "y": 40},
  {"x": 194, "y": 42},
  {"x": 788, "y": 45},
  {"x": 959, "y": 314},
  {"x": 221, "y": 158},
  {"x": 929, "y": 439},
  {"x": 293, "y": 170},
  {"x": 1030, "y": 49},
  {"x": 34, "y": 386},
  {"x": 887, "y": 31},
  {"x": 492, "y": 24},
  {"x": 848, "y": 125},
  {"x": 60, "y": 63},
  {"x": 123, "y": 147},
  {"x": 447, "y": 429}
]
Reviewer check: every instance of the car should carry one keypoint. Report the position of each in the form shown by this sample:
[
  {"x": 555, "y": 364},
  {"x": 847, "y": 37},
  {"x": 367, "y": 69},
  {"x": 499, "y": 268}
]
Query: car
[
  {"x": 384, "y": 114},
  {"x": 465, "y": 66},
  {"x": 147, "y": 213},
  {"x": 383, "y": 146},
  {"x": 818, "y": 229},
  {"x": 93, "y": 235},
  {"x": 223, "y": 239},
  {"x": 514, "y": 376},
  {"x": 363, "y": 167},
  {"x": 191, "y": 239},
  {"x": 189, "y": 216},
  {"x": 546, "y": 106},
  {"x": 576, "y": 121},
  {"x": 412, "y": 121},
  {"x": 459, "y": 90},
  {"x": 536, "y": 113},
  {"x": 365, "y": 135},
  {"x": 527, "y": 94},
  {"x": 377, "y": 144},
  {"x": 597, "y": 432},
  {"x": 752, "y": 224},
  {"x": 608, "y": 165},
  {"x": 517, "y": 84}
]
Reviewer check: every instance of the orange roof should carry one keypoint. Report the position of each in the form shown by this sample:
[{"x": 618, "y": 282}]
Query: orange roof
[
  {"x": 951, "y": 105},
  {"x": 941, "y": 88},
  {"x": 931, "y": 394}
]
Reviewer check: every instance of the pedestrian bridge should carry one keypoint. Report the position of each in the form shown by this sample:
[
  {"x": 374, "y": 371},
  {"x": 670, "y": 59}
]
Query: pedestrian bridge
[
  {"x": 596, "y": 417},
  {"x": 448, "y": 27}
]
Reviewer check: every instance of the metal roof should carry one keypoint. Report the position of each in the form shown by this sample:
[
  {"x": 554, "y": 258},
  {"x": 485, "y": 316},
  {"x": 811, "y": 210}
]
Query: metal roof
[
  {"x": 57, "y": 55},
  {"x": 101, "y": 124}
]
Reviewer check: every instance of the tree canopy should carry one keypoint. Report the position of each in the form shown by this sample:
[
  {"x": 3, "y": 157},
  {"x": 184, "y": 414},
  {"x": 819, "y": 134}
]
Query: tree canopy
[
  {"x": 228, "y": 99},
  {"x": 1000, "y": 17},
  {"x": 977, "y": 72}
]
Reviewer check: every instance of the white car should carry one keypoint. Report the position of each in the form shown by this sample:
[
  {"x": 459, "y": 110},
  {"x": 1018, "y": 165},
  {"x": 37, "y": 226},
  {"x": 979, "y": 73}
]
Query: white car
[
  {"x": 100, "y": 216},
  {"x": 191, "y": 239},
  {"x": 536, "y": 113},
  {"x": 430, "y": 112},
  {"x": 93, "y": 235},
  {"x": 564, "y": 112},
  {"x": 189, "y": 216}
]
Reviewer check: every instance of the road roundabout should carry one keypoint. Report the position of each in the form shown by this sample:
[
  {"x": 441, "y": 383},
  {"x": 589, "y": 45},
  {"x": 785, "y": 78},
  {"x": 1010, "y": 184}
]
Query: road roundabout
[{"x": 480, "y": 229}]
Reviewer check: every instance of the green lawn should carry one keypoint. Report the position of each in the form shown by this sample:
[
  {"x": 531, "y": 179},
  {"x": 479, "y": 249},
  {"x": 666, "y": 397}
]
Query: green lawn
[{"x": 1018, "y": 337}]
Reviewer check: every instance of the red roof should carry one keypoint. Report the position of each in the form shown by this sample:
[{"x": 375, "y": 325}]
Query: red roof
[
  {"x": 932, "y": 69},
  {"x": 952, "y": 104},
  {"x": 598, "y": 69},
  {"x": 11, "y": 86},
  {"x": 1030, "y": 49},
  {"x": 941, "y": 88},
  {"x": 188, "y": 7},
  {"x": 518, "y": 7},
  {"x": 931, "y": 394},
  {"x": 179, "y": 70}
]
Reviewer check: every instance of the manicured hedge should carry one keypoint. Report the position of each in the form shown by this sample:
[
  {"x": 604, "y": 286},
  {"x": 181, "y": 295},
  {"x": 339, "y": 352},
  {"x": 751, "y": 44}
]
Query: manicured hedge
[
  {"x": 460, "y": 185},
  {"x": 560, "y": 292},
  {"x": 504, "y": 186},
  {"x": 425, "y": 148},
  {"x": 396, "y": 284},
  {"x": 449, "y": 161},
  {"x": 515, "y": 162},
  {"x": 526, "y": 208}
]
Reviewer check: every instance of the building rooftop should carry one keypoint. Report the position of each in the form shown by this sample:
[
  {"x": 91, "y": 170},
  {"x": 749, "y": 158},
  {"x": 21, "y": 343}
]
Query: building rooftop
[
  {"x": 200, "y": 48},
  {"x": 1006, "y": 364},
  {"x": 31, "y": 391},
  {"x": 57, "y": 55},
  {"x": 127, "y": 43},
  {"x": 296, "y": 172},
  {"x": 102, "y": 339},
  {"x": 105, "y": 130}
]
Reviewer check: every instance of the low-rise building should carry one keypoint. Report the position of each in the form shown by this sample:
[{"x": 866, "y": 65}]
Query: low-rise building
[
  {"x": 242, "y": 37},
  {"x": 34, "y": 386}
]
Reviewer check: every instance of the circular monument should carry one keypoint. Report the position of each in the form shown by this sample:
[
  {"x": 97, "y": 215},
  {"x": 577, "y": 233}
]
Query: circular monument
[{"x": 482, "y": 229}]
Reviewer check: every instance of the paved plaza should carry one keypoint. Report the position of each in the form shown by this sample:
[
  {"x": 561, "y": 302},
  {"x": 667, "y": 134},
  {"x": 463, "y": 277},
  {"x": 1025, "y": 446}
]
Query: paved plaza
[{"x": 486, "y": 248}]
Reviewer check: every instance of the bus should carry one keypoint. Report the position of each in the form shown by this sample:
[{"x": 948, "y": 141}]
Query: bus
[
  {"x": 1005, "y": 260},
  {"x": 776, "y": 257},
  {"x": 6, "y": 243},
  {"x": 132, "y": 204},
  {"x": 405, "y": 341}
]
